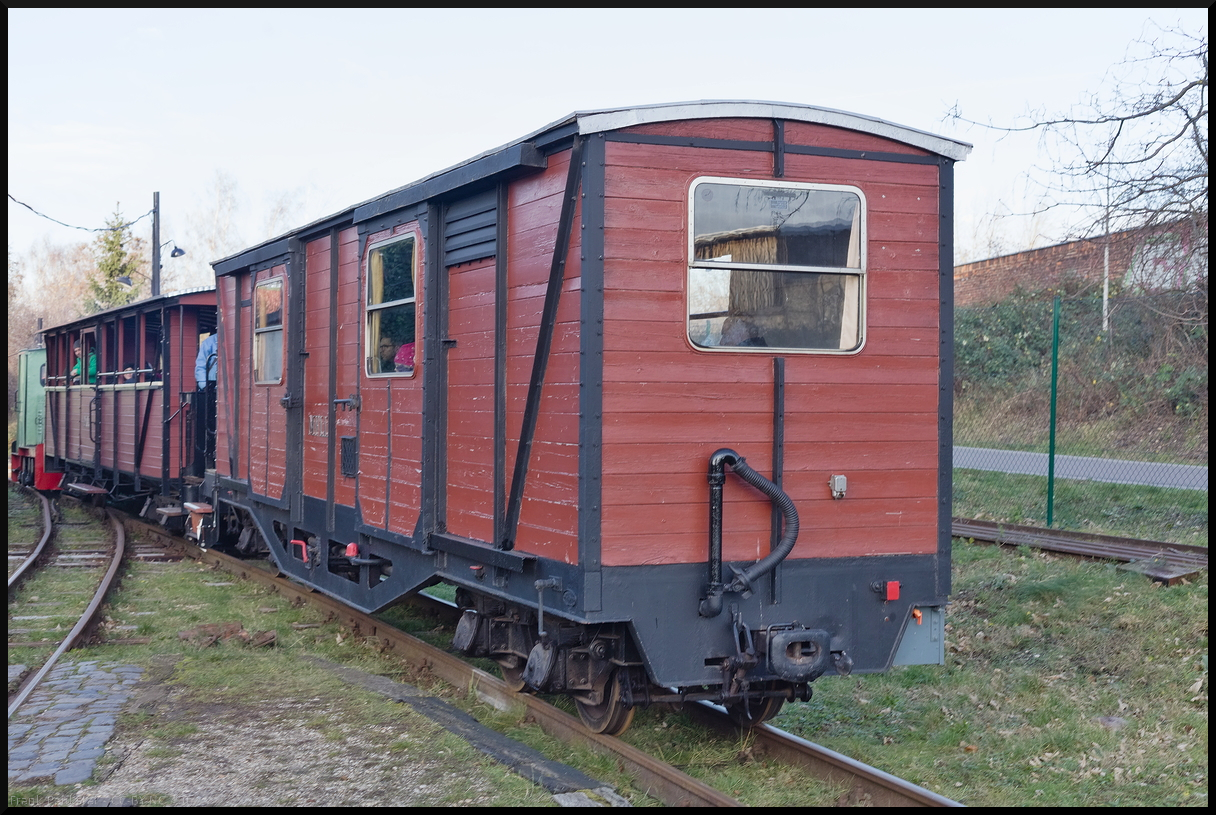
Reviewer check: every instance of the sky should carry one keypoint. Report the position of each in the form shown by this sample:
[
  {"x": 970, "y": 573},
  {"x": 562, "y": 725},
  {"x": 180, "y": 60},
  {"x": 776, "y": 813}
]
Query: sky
[{"x": 324, "y": 109}]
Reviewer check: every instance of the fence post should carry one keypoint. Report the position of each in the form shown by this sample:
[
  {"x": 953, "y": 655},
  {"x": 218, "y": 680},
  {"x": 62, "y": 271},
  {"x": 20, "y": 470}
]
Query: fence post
[{"x": 1051, "y": 444}]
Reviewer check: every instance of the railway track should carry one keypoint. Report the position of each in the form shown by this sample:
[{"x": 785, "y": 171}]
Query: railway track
[
  {"x": 1164, "y": 562},
  {"x": 23, "y": 550},
  {"x": 72, "y": 580},
  {"x": 666, "y": 783}
]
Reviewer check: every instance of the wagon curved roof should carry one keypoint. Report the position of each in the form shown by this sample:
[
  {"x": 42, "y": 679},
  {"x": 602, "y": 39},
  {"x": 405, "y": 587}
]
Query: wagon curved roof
[
  {"x": 527, "y": 151},
  {"x": 597, "y": 121}
]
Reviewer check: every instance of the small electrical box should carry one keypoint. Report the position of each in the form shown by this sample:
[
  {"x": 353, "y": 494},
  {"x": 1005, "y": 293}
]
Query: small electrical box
[{"x": 839, "y": 484}]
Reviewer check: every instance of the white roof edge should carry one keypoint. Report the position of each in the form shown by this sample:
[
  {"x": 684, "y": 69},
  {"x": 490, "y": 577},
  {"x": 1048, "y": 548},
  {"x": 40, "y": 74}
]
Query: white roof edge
[{"x": 598, "y": 121}]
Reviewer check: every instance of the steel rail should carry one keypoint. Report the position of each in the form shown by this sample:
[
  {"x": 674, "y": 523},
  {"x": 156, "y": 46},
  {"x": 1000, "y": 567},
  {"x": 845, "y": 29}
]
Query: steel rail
[
  {"x": 47, "y": 530},
  {"x": 83, "y": 624},
  {"x": 660, "y": 780},
  {"x": 1080, "y": 543},
  {"x": 867, "y": 784}
]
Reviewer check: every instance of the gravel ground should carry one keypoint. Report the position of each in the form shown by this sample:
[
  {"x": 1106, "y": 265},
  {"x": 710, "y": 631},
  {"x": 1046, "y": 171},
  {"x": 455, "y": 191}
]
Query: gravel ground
[
  {"x": 276, "y": 756},
  {"x": 173, "y": 749}
]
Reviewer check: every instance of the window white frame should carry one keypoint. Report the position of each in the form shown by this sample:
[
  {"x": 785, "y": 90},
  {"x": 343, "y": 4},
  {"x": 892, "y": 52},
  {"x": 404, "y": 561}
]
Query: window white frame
[
  {"x": 268, "y": 334},
  {"x": 376, "y": 311},
  {"x": 708, "y": 281}
]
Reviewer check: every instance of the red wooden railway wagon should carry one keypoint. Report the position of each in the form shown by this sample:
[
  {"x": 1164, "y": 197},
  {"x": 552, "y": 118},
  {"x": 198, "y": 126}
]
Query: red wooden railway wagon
[
  {"x": 665, "y": 391},
  {"x": 120, "y": 417}
]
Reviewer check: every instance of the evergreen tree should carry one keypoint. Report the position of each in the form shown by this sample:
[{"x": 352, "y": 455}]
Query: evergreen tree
[{"x": 116, "y": 253}]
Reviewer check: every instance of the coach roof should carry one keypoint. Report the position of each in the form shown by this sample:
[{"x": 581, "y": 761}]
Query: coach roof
[{"x": 528, "y": 152}]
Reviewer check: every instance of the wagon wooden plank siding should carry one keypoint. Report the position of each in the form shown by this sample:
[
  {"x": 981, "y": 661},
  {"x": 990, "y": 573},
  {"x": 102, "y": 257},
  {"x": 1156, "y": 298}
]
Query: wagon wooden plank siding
[
  {"x": 687, "y": 422},
  {"x": 548, "y": 517},
  {"x": 663, "y": 390},
  {"x": 320, "y": 313},
  {"x": 134, "y": 427}
]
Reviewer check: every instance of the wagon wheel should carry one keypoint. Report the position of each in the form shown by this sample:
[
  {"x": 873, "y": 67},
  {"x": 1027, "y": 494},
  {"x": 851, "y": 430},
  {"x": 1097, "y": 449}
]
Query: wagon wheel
[
  {"x": 755, "y": 712},
  {"x": 610, "y": 717},
  {"x": 512, "y": 668}
]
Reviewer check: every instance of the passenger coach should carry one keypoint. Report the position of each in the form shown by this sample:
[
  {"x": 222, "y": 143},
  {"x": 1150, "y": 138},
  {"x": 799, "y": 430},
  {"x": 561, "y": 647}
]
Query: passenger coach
[
  {"x": 666, "y": 391},
  {"x": 124, "y": 418}
]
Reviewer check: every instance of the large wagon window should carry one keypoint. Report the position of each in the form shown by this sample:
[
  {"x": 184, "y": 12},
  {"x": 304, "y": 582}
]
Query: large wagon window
[
  {"x": 268, "y": 332},
  {"x": 391, "y": 308},
  {"x": 776, "y": 265}
]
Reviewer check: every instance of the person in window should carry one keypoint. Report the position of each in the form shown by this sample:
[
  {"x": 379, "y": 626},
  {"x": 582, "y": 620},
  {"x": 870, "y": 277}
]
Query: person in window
[
  {"x": 90, "y": 366},
  {"x": 205, "y": 362},
  {"x": 404, "y": 358},
  {"x": 128, "y": 375},
  {"x": 386, "y": 354},
  {"x": 741, "y": 332}
]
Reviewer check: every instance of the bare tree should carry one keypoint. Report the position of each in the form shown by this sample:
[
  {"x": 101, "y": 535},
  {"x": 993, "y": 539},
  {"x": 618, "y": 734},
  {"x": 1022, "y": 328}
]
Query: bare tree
[
  {"x": 1134, "y": 155},
  {"x": 992, "y": 236},
  {"x": 213, "y": 230},
  {"x": 21, "y": 325},
  {"x": 50, "y": 282},
  {"x": 211, "y": 233},
  {"x": 1131, "y": 162},
  {"x": 284, "y": 213},
  {"x": 56, "y": 280}
]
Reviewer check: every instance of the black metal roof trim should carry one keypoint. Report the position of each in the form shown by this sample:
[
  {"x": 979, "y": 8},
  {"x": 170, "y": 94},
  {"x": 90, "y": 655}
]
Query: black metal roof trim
[
  {"x": 554, "y": 138},
  {"x": 318, "y": 229},
  {"x": 134, "y": 307},
  {"x": 522, "y": 155},
  {"x": 391, "y": 220},
  {"x": 251, "y": 257}
]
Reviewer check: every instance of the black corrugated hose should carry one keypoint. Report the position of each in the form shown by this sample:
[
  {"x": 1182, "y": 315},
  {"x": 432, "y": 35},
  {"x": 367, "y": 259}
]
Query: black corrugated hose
[
  {"x": 743, "y": 580},
  {"x": 711, "y": 604}
]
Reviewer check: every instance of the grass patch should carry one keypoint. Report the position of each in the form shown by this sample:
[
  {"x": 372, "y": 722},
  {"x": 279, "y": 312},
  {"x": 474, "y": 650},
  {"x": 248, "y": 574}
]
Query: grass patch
[
  {"x": 1067, "y": 683},
  {"x": 229, "y": 682},
  {"x": 1149, "y": 513},
  {"x": 1010, "y": 419},
  {"x": 1040, "y": 650}
]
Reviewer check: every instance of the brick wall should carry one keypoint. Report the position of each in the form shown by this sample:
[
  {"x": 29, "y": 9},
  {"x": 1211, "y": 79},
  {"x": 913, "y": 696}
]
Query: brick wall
[
  {"x": 1167, "y": 257},
  {"x": 990, "y": 281}
]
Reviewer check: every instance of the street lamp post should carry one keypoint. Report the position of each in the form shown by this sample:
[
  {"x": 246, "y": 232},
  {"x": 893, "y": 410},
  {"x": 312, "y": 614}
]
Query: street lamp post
[{"x": 156, "y": 244}]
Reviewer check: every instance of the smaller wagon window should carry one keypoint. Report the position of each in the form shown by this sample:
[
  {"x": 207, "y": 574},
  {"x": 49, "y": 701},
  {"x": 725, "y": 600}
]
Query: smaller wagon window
[
  {"x": 391, "y": 308},
  {"x": 84, "y": 359},
  {"x": 268, "y": 332},
  {"x": 776, "y": 265},
  {"x": 109, "y": 352}
]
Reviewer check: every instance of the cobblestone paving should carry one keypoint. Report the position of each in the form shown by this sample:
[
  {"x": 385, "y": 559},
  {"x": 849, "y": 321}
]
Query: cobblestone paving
[{"x": 60, "y": 731}]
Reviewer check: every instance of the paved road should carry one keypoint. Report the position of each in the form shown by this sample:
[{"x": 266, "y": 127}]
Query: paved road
[{"x": 1115, "y": 471}]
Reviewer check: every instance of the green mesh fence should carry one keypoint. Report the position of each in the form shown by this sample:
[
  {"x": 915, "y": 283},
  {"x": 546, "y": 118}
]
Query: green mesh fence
[{"x": 1131, "y": 435}]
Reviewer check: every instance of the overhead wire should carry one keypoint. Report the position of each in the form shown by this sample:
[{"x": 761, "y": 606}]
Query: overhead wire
[{"x": 81, "y": 228}]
